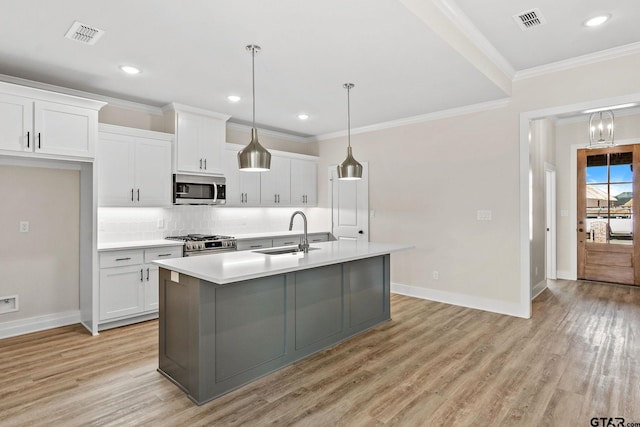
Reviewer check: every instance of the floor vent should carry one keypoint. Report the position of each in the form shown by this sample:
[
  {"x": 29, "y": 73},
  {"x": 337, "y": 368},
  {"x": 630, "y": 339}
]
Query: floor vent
[
  {"x": 84, "y": 33},
  {"x": 529, "y": 19}
]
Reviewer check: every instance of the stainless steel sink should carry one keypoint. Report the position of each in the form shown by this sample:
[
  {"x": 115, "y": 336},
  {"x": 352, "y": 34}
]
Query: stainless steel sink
[{"x": 282, "y": 251}]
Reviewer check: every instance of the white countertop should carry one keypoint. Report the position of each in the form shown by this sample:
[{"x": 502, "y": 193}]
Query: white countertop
[
  {"x": 229, "y": 267},
  {"x": 139, "y": 244},
  {"x": 272, "y": 234}
]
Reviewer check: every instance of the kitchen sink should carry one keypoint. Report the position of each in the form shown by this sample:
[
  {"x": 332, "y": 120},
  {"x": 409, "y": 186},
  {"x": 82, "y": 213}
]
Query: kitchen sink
[{"x": 282, "y": 251}]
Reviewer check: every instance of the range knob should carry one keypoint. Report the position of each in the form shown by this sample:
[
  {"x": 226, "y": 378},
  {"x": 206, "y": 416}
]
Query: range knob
[
  {"x": 201, "y": 245},
  {"x": 188, "y": 246}
]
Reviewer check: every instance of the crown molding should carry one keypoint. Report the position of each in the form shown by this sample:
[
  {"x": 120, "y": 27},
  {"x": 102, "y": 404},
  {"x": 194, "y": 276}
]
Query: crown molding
[
  {"x": 464, "y": 24},
  {"x": 130, "y": 105},
  {"x": 578, "y": 61},
  {"x": 438, "y": 115}
]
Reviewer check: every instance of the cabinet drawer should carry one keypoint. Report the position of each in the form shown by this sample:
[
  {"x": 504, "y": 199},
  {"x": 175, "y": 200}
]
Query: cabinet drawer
[
  {"x": 319, "y": 237},
  {"x": 162, "y": 253},
  {"x": 120, "y": 258},
  {"x": 286, "y": 241},
  {"x": 254, "y": 244}
]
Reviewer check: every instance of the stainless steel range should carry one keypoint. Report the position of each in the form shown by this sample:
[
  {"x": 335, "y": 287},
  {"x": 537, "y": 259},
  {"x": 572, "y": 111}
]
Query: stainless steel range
[{"x": 202, "y": 244}]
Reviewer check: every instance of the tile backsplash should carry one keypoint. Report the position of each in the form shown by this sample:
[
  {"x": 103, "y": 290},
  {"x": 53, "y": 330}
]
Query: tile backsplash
[{"x": 131, "y": 224}]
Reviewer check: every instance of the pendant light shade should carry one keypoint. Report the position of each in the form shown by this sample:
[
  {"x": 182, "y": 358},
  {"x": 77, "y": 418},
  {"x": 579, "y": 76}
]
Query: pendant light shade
[
  {"x": 254, "y": 157},
  {"x": 601, "y": 129},
  {"x": 350, "y": 168}
]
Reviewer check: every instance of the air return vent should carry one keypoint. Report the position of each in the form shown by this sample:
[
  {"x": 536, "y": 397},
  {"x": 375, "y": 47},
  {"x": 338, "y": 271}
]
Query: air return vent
[
  {"x": 529, "y": 19},
  {"x": 84, "y": 33}
]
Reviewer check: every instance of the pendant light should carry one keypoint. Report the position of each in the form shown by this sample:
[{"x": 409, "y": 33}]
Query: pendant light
[
  {"x": 350, "y": 168},
  {"x": 254, "y": 157},
  {"x": 601, "y": 129}
]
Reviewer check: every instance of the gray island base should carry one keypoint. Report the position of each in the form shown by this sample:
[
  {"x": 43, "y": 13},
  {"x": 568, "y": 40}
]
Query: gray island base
[{"x": 215, "y": 338}]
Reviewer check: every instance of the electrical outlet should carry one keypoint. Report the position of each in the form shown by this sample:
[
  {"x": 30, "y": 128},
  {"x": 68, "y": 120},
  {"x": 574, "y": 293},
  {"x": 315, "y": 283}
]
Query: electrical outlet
[
  {"x": 436, "y": 275},
  {"x": 24, "y": 226}
]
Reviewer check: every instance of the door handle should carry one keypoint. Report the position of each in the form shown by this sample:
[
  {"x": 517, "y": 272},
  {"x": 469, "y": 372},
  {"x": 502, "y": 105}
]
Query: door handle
[
  {"x": 141, "y": 276},
  {"x": 147, "y": 274},
  {"x": 38, "y": 140},
  {"x": 132, "y": 194},
  {"x": 205, "y": 164},
  {"x": 200, "y": 163},
  {"x": 138, "y": 194},
  {"x": 360, "y": 232},
  {"x": 28, "y": 138},
  {"x": 580, "y": 230}
]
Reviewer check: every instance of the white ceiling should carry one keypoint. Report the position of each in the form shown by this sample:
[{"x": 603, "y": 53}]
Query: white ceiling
[{"x": 193, "y": 52}]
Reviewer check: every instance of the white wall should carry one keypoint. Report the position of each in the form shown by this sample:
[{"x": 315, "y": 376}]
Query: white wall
[
  {"x": 41, "y": 266},
  {"x": 427, "y": 180}
]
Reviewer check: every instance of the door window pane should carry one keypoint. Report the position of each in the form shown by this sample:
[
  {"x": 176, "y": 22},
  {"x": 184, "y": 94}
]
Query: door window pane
[{"x": 609, "y": 198}]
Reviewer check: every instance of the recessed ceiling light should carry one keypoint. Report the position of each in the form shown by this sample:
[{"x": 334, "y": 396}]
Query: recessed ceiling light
[
  {"x": 613, "y": 107},
  {"x": 596, "y": 20},
  {"x": 233, "y": 98},
  {"x": 303, "y": 116},
  {"x": 130, "y": 69}
]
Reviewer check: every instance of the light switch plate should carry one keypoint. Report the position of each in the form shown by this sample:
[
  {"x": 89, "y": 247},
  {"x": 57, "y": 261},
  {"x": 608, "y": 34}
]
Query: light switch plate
[{"x": 24, "y": 226}]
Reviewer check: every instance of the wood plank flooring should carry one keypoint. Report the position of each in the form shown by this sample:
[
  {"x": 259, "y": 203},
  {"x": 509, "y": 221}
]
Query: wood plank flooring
[{"x": 433, "y": 364}]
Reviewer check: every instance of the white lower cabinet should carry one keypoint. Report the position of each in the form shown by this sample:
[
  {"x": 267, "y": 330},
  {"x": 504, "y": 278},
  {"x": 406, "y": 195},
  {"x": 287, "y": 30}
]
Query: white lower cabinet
[
  {"x": 253, "y": 244},
  {"x": 129, "y": 282}
]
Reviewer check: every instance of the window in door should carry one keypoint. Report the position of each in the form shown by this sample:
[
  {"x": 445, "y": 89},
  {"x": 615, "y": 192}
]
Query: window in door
[{"x": 609, "y": 198}]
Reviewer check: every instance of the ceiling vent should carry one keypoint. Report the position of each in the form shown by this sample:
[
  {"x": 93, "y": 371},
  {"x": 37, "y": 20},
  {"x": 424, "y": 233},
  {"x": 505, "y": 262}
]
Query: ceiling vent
[
  {"x": 529, "y": 19},
  {"x": 84, "y": 33}
]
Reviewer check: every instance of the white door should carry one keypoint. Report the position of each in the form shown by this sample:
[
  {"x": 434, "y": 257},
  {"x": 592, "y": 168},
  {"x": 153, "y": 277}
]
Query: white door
[
  {"x": 64, "y": 129},
  {"x": 550, "y": 207},
  {"x": 349, "y": 206},
  {"x": 16, "y": 120},
  {"x": 116, "y": 170}
]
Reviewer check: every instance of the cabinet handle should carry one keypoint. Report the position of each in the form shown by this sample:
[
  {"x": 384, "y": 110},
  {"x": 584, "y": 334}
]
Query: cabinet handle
[
  {"x": 147, "y": 274},
  {"x": 123, "y": 259},
  {"x": 205, "y": 164},
  {"x": 200, "y": 163},
  {"x": 141, "y": 276},
  {"x": 288, "y": 243},
  {"x": 132, "y": 194},
  {"x": 255, "y": 246},
  {"x": 138, "y": 194},
  {"x": 164, "y": 255},
  {"x": 38, "y": 140},
  {"x": 278, "y": 198},
  {"x": 275, "y": 198},
  {"x": 28, "y": 138}
]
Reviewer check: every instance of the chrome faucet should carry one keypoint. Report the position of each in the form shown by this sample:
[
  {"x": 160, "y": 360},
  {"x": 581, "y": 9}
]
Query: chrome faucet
[{"x": 304, "y": 246}]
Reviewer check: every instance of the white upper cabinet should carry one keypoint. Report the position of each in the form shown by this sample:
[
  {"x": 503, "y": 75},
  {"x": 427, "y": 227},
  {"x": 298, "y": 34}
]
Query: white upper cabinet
[
  {"x": 45, "y": 124},
  {"x": 304, "y": 183},
  {"x": 16, "y": 123},
  {"x": 243, "y": 188},
  {"x": 275, "y": 185},
  {"x": 134, "y": 167},
  {"x": 200, "y": 140}
]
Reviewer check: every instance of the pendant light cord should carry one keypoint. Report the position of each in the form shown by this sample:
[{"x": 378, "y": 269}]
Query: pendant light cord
[
  {"x": 349, "y": 115},
  {"x": 253, "y": 82}
]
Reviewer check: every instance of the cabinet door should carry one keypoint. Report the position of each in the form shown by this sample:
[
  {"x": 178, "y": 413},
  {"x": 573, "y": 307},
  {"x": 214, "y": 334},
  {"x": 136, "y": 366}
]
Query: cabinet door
[
  {"x": 212, "y": 140},
  {"x": 304, "y": 182},
  {"x": 250, "y": 183},
  {"x": 188, "y": 156},
  {"x": 235, "y": 196},
  {"x": 151, "y": 287},
  {"x": 16, "y": 121},
  {"x": 152, "y": 172},
  {"x": 121, "y": 291},
  {"x": 116, "y": 170},
  {"x": 64, "y": 130},
  {"x": 275, "y": 185}
]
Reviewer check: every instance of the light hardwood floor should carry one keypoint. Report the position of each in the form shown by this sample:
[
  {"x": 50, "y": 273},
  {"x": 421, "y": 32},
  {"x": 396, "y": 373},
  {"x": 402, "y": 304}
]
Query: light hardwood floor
[{"x": 433, "y": 364}]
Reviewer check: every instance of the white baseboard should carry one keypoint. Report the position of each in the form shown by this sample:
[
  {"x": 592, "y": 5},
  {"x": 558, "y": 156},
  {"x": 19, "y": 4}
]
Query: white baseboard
[
  {"x": 566, "y": 275},
  {"x": 486, "y": 304},
  {"x": 538, "y": 289},
  {"x": 38, "y": 323}
]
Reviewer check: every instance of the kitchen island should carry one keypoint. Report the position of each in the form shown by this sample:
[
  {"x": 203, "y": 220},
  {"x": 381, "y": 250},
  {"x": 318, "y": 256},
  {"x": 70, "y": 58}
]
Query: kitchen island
[{"x": 229, "y": 318}]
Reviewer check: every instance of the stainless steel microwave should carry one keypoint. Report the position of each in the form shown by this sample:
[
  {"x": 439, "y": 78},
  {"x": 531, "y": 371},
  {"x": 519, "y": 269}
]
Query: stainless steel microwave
[{"x": 199, "y": 190}]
